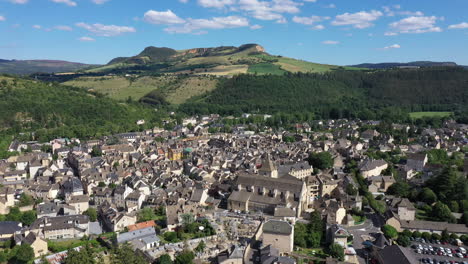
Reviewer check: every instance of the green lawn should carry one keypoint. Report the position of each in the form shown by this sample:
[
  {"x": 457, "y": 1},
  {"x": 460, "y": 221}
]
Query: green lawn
[
  {"x": 358, "y": 219},
  {"x": 313, "y": 252},
  {"x": 265, "y": 68},
  {"x": 417, "y": 115}
]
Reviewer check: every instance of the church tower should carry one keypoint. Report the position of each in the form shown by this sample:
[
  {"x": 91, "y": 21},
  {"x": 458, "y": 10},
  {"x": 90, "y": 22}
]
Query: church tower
[{"x": 268, "y": 168}]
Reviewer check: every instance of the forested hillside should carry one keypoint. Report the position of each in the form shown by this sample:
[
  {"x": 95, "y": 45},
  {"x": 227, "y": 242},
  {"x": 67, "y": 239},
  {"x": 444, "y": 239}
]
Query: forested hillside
[
  {"x": 60, "y": 111},
  {"x": 340, "y": 94}
]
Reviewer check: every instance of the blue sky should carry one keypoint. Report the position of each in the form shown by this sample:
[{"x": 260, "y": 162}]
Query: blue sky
[{"x": 338, "y": 32}]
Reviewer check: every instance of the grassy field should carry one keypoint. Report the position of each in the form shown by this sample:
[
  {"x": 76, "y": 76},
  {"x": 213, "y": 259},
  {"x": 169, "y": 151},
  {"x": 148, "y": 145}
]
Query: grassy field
[
  {"x": 417, "y": 115},
  {"x": 265, "y": 68},
  {"x": 181, "y": 91},
  {"x": 121, "y": 88},
  {"x": 177, "y": 90}
]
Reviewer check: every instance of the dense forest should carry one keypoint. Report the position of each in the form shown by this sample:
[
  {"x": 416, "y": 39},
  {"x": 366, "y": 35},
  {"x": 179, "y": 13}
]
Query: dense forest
[
  {"x": 51, "y": 110},
  {"x": 341, "y": 93}
]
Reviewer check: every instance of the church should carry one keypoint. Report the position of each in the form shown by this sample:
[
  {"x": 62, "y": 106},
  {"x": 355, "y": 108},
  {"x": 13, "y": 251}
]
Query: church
[{"x": 267, "y": 191}]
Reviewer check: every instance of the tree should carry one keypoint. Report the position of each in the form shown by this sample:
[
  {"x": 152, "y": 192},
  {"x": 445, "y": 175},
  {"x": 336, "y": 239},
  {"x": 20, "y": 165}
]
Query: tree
[
  {"x": 416, "y": 234},
  {"x": 25, "y": 200},
  {"x": 28, "y": 217},
  {"x": 187, "y": 219},
  {"x": 125, "y": 254},
  {"x": 92, "y": 213},
  {"x": 403, "y": 241},
  {"x": 96, "y": 151},
  {"x": 83, "y": 256},
  {"x": 165, "y": 259},
  {"x": 146, "y": 214},
  {"x": 24, "y": 254},
  {"x": 428, "y": 196},
  {"x": 401, "y": 189},
  {"x": 336, "y": 251},
  {"x": 299, "y": 235},
  {"x": 200, "y": 247},
  {"x": 321, "y": 160},
  {"x": 351, "y": 190},
  {"x": 389, "y": 231},
  {"x": 441, "y": 212},
  {"x": 426, "y": 235},
  {"x": 186, "y": 257}
]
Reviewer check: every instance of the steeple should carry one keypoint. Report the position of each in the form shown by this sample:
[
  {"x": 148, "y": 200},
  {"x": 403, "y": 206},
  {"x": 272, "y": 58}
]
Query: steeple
[{"x": 268, "y": 168}]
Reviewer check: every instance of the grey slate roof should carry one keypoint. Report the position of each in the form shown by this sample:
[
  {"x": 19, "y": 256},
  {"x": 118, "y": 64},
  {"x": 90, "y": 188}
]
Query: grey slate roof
[
  {"x": 277, "y": 227},
  {"x": 9, "y": 227}
]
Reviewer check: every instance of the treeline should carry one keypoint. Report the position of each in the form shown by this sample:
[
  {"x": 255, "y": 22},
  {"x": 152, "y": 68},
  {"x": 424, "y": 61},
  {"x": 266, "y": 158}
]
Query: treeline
[{"x": 389, "y": 94}]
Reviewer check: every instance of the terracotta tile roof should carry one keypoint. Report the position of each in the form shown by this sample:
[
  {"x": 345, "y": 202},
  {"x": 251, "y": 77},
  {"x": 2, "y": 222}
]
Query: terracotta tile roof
[{"x": 141, "y": 225}]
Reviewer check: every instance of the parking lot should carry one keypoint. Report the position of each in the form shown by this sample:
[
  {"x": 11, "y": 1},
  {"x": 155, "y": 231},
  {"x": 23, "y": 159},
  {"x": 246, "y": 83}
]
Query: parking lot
[{"x": 435, "y": 252}]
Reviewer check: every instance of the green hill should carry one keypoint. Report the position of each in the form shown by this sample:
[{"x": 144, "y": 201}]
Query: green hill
[
  {"x": 340, "y": 94},
  {"x": 34, "y": 66},
  {"x": 53, "y": 110},
  {"x": 219, "y": 61}
]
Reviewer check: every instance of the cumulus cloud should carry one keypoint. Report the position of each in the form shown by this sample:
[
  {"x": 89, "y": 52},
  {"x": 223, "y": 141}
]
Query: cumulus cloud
[
  {"x": 63, "y": 28},
  {"x": 395, "y": 10},
  {"x": 162, "y": 17},
  {"x": 86, "y": 39},
  {"x": 106, "y": 30},
  {"x": 459, "y": 26},
  {"x": 21, "y": 2},
  {"x": 37, "y": 26},
  {"x": 67, "y": 2},
  {"x": 308, "y": 20},
  {"x": 268, "y": 10},
  {"x": 310, "y": 1},
  {"x": 196, "y": 25},
  {"x": 330, "y": 6},
  {"x": 359, "y": 20},
  {"x": 415, "y": 25},
  {"x": 330, "y": 42},
  {"x": 256, "y": 27},
  {"x": 99, "y": 2},
  {"x": 394, "y": 46},
  {"x": 2, "y": 18},
  {"x": 318, "y": 27},
  {"x": 216, "y": 3}
]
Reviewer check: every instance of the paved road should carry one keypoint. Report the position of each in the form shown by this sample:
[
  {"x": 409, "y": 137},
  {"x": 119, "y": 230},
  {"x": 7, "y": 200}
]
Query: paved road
[{"x": 370, "y": 228}]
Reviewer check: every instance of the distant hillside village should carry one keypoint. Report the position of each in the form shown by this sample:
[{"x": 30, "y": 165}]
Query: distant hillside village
[{"x": 330, "y": 191}]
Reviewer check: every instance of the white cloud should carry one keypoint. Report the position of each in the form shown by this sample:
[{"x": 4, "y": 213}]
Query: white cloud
[
  {"x": 106, "y": 30},
  {"x": 162, "y": 17},
  {"x": 330, "y": 42},
  {"x": 86, "y": 39},
  {"x": 282, "y": 20},
  {"x": 394, "y": 46},
  {"x": 415, "y": 25},
  {"x": 308, "y": 20},
  {"x": 99, "y": 2},
  {"x": 459, "y": 26},
  {"x": 67, "y": 2},
  {"x": 256, "y": 27},
  {"x": 183, "y": 1},
  {"x": 390, "y": 34},
  {"x": 310, "y": 1},
  {"x": 2, "y": 18},
  {"x": 37, "y": 26},
  {"x": 63, "y": 28},
  {"x": 318, "y": 27},
  {"x": 330, "y": 6},
  {"x": 195, "y": 25},
  {"x": 269, "y": 10},
  {"x": 216, "y": 3},
  {"x": 21, "y": 2},
  {"x": 359, "y": 20}
]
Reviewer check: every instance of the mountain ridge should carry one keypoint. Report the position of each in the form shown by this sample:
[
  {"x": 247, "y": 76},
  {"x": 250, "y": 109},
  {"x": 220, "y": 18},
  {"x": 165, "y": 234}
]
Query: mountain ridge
[
  {"x": 38, "y": 65},
  {"x": 388, "y": 65}
]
